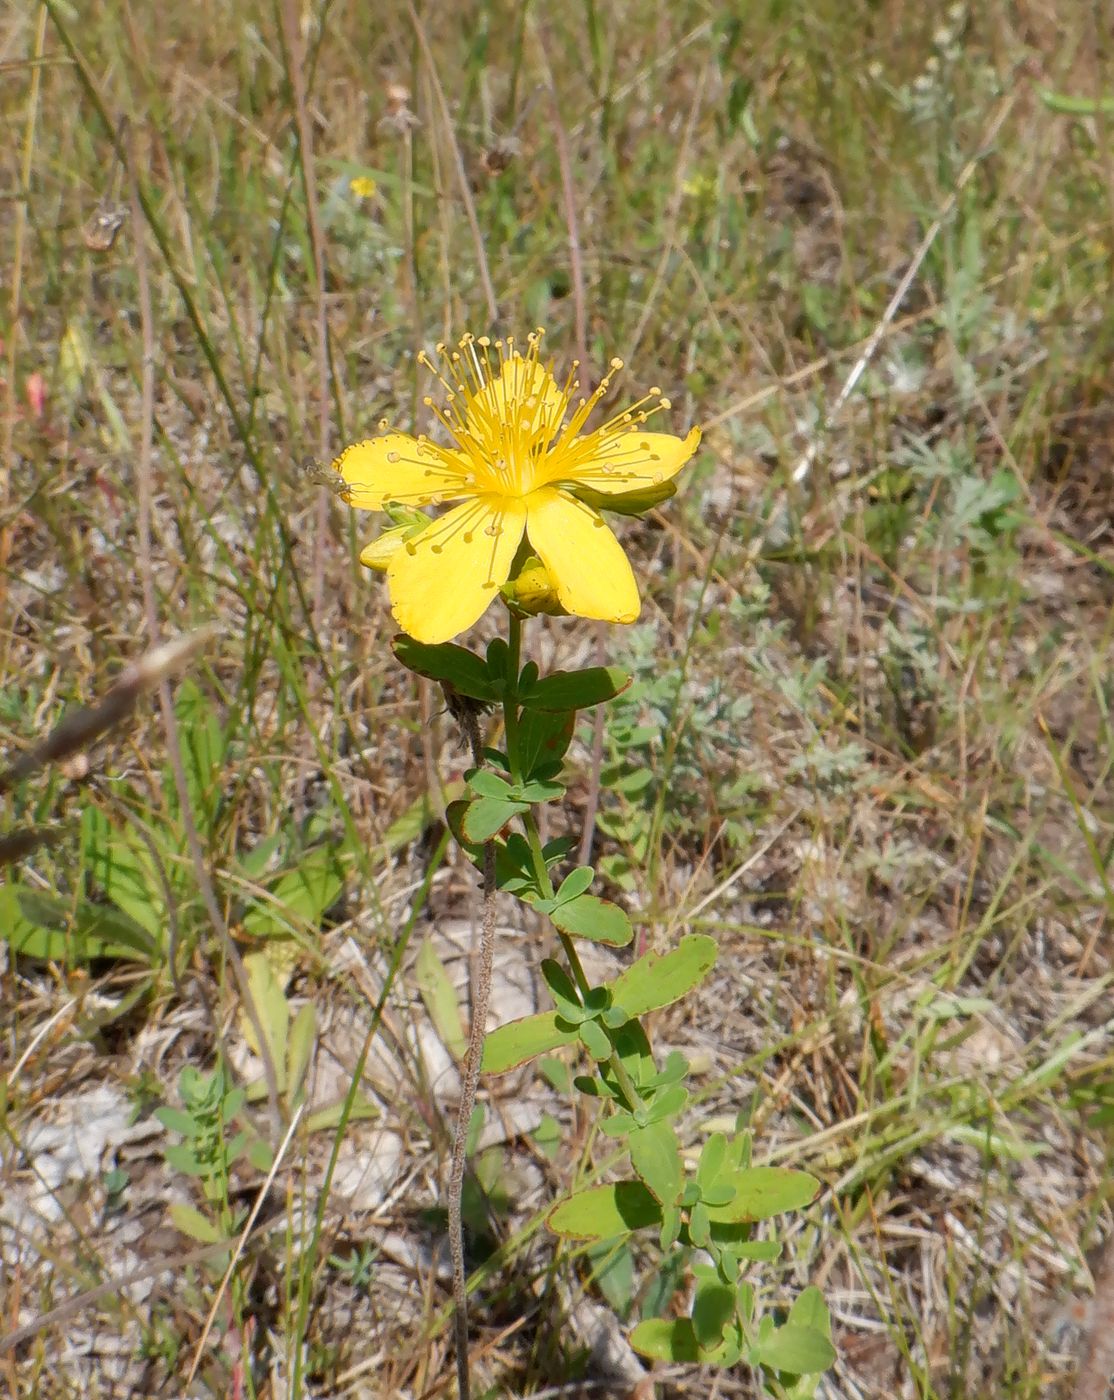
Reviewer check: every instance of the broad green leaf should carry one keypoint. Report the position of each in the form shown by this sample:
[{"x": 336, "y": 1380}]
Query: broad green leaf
[
  {"x": 613, "y": 1271},
  {"x": 761, "y": 1192},
  {"x": 269, "y": 1000},
  {"x": 655, "y": 980},
  {"x": 487, "y": 816},
  {"x": 298, "y": 899},
  {"x": 543, "y": 739},
  {"x": 193, "y": 1224},
  {"x": 666, "y": 1339},
  {"x": 576, "y": 690},
  {"x": 798, "y": 1350},
  {"x": 41, "y": 924},
  {"x": 602, "y": 1212},
  {"x": 449, "y": 664},
  {"x": 594, "y": 1039},
  {"x": 711, "y": 1159},
  {"x": 513, "y": 1044},
  {"x": 811, "y": 1311},
  {"x": 439, "y": 996},
  {"x": 122, "y": 870},
  {"x": 485, "y": 783},
  {"x": 178, "y": 1121},
  {"x": 575, "y": 883},
  {"x": 299, "y": 1046},
  {"x": 713, "y": 1309},
  {"x": 656, "y": 1157},
  {"x": 202, "y": 745},
  {"x": 589, "y": 916},
  {"x": 761, "y": 1251}
]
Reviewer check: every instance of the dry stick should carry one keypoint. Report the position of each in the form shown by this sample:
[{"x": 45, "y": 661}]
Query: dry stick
[
  {"x": 458, "y": 161},
  {"x": 23, "y": 193},
  {"x": 166, "y": 702},
  {"x": 805, "y": 465},
  {"x": 481, "y": 989},
  {"x": 295, "y": 58}
]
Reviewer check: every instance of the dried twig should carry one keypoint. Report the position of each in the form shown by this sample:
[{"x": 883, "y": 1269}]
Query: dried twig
[
  {"x": 80, "y": 729},
  {"x": 481, "y": 990}
]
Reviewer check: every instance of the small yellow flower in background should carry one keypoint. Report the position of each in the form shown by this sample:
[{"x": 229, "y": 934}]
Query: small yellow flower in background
[
  {"x": 519, "y": 457},
  {"x": 362, "y": 186}
]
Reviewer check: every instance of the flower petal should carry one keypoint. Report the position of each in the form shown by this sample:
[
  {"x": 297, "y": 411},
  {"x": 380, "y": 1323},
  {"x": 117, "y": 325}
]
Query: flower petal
[
  {"x": 397, "y": 467},
  {"x": 442, "y": 581},
  {"x": 623, "y": 462},
  {"x": 584, "y": 559}
]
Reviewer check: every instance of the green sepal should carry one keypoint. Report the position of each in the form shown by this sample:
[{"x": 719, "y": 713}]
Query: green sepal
[
  {"x": 449, "y": 664},
  {"x": 629, "y": 502}
]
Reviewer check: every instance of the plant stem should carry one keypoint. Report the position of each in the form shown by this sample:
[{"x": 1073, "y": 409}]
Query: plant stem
[
  {"x": 533, "y": 836},
  {"x": 470, "y": 1079}
]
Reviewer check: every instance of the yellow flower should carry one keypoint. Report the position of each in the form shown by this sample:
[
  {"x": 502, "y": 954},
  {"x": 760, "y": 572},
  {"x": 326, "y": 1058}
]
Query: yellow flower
[
  {"x": 362, "y": 186},
  {"x": 519, "y": 455}
]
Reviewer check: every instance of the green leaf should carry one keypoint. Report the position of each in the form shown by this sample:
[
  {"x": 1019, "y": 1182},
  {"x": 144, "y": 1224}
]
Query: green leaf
[
  {"x": 41, "y": 924},
  {"x": 487, "y": 816},
  {"x": 594, "y": 1039},
  {"x": 575, "y": 883},
  {"x": 543, "y": 739},
  {"x": 513, "y": 1044},
  {"x": 178, "y": 1121},
  {"x": 761, "y": 1192},
  {"x": 122, "y": 869},
  {"x": 666, "y": 1339},
  {"x": 202, "y": 745},
  {"x": 656, "y": 1157},
  {"x": 613, "y": 1272},
  {"x": 602, "y": 1212},
  {"x": 449, "y": 664},
  {"x": 298, "y": 899},
  {"x": 713, "y": 1309},
  {"x": 193, "y": 1224},
  {"x": 269, "y": 1000},
  {"x": 485, "y": 783},
  {"x": 655, "y": 980},
  {"x": 589, "y": 916},
  {"x": 811, "y": 1311},
  {"x": 440, "y": 999},
  {"x": 576, "y": 690},
  {"x": 299, "y": 1046},
  {"x": 798, "y": 1350},
  {"x": 761, "y": 1251}
]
